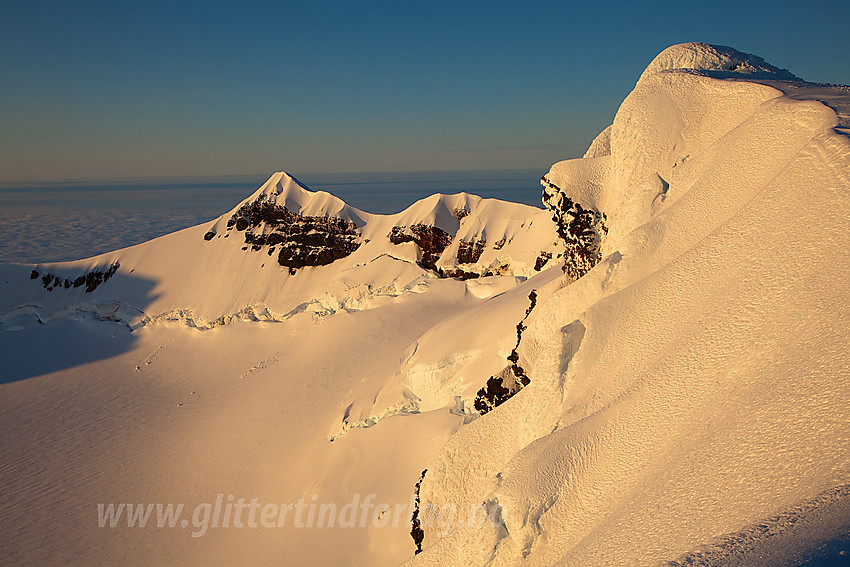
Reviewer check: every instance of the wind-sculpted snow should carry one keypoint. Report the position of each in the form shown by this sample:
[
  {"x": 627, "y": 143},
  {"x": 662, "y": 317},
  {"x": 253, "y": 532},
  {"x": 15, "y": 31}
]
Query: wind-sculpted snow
[
  {"x": 799, "y": 535},
  {"x": 703, "y": 57},
  {"x": 690, "y": 383}
]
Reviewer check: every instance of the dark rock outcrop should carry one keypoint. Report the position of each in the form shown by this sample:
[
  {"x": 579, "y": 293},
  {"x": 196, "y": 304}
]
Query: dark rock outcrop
[
  {"x": 581, "y": 229},
  {"x": 542, "y": 260},
  {"x": 498, "y": 390},
  {"x": 416, "y": 531},
  {"x": 92, "y": 280},
  {"x": 460, "y": 274},
  {"x": 504, "y": 385},
  {"x": 460, "y": 212},
  {"x": 302, "y": 240},
  {"x": 468, "y": 252},
  {"x": 432, "y": 241}
]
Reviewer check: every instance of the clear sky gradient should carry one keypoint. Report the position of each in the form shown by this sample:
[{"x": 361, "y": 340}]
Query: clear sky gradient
[{"x": 120, "y": 89}]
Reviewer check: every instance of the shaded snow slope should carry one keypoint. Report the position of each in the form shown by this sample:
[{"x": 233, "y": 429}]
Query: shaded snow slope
[{"x": 692, "y": 384}]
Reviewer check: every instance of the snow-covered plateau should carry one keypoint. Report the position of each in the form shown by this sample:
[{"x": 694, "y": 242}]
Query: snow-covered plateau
[{"x": 653, "y": 370}]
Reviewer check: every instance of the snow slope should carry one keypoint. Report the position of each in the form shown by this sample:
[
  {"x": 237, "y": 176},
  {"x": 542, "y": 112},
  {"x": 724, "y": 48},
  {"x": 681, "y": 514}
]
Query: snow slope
[
  {"x": 676, "y": 395},
  {"x": 693, "y": 385},
  {"x": 261, "y": 355}
]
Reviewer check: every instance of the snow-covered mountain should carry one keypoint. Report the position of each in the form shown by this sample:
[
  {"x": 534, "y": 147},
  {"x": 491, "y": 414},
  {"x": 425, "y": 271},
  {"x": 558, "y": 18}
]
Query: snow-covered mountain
[
  {"x": 652, "y": 371},
  {"x": 285, "y": 249},
  {"x": 688, "y": 391}
]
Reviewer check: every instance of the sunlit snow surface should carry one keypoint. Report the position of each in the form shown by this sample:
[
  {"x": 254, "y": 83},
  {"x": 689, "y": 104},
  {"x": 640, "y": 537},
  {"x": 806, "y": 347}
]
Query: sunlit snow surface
[{"x": 687, "y": 402}]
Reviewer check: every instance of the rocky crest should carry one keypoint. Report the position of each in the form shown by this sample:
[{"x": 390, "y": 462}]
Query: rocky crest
[
  {"x": 433, "y": 241},
  {"x": 416, "y": 531},
  {"x": 454, "y": 236}
]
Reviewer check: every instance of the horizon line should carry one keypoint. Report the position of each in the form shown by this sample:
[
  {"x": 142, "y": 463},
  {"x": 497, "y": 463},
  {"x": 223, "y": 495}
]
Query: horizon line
[{"x": 141, "y": 178}]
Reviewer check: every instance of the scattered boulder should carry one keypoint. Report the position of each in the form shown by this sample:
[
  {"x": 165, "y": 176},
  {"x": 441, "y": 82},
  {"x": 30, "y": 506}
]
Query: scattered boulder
[{"x": 92, "y": 280}]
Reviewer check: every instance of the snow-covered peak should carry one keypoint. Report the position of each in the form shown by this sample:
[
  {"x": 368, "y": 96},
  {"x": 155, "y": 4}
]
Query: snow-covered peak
[
  {"x": 285, "y": 190},
  {"x": 441, "y": 211},
  {"x": 689, "y": 97},
  {"x": 678, "y": 398},
  {"x": 697, "y": 56}
]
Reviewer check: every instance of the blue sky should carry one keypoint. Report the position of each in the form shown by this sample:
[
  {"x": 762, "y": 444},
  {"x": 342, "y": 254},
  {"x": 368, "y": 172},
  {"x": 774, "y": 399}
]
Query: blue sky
[{"x": 115, "y": 89}]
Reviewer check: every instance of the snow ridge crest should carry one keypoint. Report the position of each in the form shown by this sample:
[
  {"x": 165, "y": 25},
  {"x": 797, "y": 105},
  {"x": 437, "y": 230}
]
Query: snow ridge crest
[{"x": 704, "y": 57}]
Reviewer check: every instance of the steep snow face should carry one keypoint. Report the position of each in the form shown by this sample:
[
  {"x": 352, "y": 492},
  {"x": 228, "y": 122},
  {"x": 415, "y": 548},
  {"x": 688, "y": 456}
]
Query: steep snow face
[
  {"x": 340, "y": 349},
  {"x": 689, "y": 387},
  {"x": 676, "y": 111},
  {"x": 601, "y": 145}
]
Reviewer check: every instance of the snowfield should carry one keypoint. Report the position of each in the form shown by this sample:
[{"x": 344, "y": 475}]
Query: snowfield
[{"x": 676, "y": 394}]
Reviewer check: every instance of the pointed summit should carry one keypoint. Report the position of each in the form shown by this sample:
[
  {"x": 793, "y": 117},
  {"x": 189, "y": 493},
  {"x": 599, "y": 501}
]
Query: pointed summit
[{"x": 284, "y": 190}]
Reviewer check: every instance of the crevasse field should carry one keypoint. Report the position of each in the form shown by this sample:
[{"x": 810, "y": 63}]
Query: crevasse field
[{"x": 653, "y": 370}]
